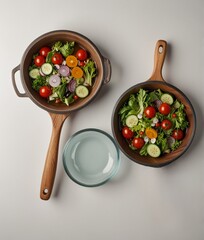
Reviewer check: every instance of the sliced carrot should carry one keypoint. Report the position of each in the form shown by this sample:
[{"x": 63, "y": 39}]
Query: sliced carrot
[
  {"x": 151, "y": 133},
  {"x": 71, "y": 61},
  {"x": 77, "y": 72}
]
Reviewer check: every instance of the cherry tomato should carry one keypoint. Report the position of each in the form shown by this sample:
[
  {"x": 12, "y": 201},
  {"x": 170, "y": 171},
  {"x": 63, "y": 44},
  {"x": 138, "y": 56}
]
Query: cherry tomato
[
  {"x": 127, "y": 133},
  {"x": 39, "y": 60},
  {"x": 81, "y": 63},
  {"x": 141, "y": 133},
  {"x": 44, "y": 51},
  {"x": 158, "y": 124},
  {"x": 178, "y": 134},
  {"x": 76, "y": 97},
  {"x": 174, "y": 115},
  {"x": 81, "y": 54},
  {"x": 150, "y": 112},
  {"x": 166, "y": 124},
  {"x": 164, "y": 108},
  {"x": 45, "y": 91},
  {"x": 57, "y": 58},
  {"x": 138, "y": 142}
]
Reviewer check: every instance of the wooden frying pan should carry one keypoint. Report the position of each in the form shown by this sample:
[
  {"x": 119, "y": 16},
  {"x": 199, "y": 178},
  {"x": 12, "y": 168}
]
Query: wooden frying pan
[
  {"x": 58, "y": 112},
  {"x": 155, "y": 82}
]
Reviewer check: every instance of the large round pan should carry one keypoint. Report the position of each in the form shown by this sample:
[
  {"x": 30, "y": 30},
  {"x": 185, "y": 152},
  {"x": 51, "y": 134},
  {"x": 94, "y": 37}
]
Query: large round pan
[
  {"x": 58, "y": 112},
  {"x": 156, "y": 81}
]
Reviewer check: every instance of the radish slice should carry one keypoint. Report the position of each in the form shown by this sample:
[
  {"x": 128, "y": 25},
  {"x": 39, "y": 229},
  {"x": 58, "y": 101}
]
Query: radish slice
[
  {"x": 41, "y": 73},
  {"x": 64, "y": 71},
  {"x": 57, "y": 66},
  {"x": 54, "y": 80},
  {"x": 72, "y": 85}
]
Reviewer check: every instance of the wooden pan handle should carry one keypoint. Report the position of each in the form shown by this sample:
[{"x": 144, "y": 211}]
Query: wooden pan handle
[
  {"x": 52, "y": 156},
  {"x": 159, "y": 56}
]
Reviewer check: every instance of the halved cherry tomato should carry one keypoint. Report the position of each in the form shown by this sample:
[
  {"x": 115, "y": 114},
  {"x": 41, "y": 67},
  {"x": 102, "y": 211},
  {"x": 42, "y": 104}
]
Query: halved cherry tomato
[
  {"x": 127, "y": 133},
  {"x": 166, "y": 124},
  {"x": 77, "y": 72},
  {"x": 138, "y": 142},
  {"x": 39, "y": 60},
  {"x": 151, "y": 133},
  {"x": 71, "y": 61},
  {"x": 57, "y": 58},
  {"x": 178, "y": 134},
  {"x": 81, "y": 54},
  {"x": 165, "y": 108},
  {"x": 150, "y": 112},
  {"x": 45, "y": 91},
  {"x": 44, "y": 51}
]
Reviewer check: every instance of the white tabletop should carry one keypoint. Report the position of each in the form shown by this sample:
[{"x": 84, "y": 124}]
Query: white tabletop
[{"x": 141, "y": 202}]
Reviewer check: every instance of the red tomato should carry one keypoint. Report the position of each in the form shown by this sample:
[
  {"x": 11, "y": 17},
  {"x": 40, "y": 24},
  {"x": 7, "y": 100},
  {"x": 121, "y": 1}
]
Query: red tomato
[
  {"x": 166, "y": 124},
  {"x": 81, "y": 54},
  {"x": 141, "y": 133},
  {"x": 57, "y": 58},
  {"x": 127, "y": 133},
  {"x": 178, "y": 134},
  {"x": 158, "y": 124},
  {"x": 81, "y": 63},
  {"x": 44, "y": 51},
  {"x": 174, "y": 115},
  {"x": 165, "y": 108},
  {"x": 45, "y": 91},
  {"x": 138, "y": 142},
  {"x": 39, "y": 60},
  {"x": 150, "y": 112},
  {"x": 76, "y": 97}
]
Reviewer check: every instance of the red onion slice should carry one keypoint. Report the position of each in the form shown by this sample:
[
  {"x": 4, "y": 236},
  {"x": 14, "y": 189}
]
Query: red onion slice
[
  {"x": 54, "y": 80},
  {"x": 170, "y": 141},
  {"x": 72, "y": 85},
  {"x": 157, "y": 103},
  {"x": 64, "y": 71}
]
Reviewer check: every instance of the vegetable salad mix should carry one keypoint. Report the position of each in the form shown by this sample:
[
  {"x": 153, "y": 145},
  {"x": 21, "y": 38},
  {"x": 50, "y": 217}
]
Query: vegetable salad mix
[
  {"x": 153, "y": 122},
  {"x": 62, "y": 72}
]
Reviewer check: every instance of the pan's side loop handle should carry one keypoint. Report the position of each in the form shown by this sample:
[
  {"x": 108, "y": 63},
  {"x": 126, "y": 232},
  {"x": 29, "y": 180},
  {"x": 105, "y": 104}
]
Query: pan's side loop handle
[
  {"x": 50, "y": 167},
  {"x": 159, "y": 56},
  {"x": 108, "y": 70},
  {"x": 16, "y": 69}
]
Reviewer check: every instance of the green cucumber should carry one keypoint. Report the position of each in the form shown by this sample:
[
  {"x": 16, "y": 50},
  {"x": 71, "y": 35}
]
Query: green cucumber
[
  {"x": 167, "y": 98},
  {"x": 34, "y": 73},
  {"x": 131, "y": 121},
  {"x": 82, "y": 91},
  {"x": 46, "y": 68},
  {"x": 153, "y": 150}
]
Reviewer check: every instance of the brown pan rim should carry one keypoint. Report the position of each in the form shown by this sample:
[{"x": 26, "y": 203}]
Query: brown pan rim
[{"x": 119, "y": 103}]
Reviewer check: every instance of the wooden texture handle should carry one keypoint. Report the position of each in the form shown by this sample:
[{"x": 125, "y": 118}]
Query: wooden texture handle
[
  {"x": 52, "y": 156},
  {"x": 159, "y": 56}
]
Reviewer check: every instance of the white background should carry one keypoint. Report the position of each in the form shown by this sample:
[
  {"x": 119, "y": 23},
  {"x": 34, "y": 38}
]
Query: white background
[{"x": 140, "y": 203}]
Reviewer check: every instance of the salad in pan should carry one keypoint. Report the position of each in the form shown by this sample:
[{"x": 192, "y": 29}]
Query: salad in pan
[
  {"x": 153, "y": 122},
  {"x": 62, "y": 72}
]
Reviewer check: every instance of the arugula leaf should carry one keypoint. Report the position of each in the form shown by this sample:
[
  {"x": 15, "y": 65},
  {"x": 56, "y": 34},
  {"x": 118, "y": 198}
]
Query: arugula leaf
[
  {"x": 143, "y": 150},
  {"x": 162, "y": 142},
  {"x": 176, "y": 145}
]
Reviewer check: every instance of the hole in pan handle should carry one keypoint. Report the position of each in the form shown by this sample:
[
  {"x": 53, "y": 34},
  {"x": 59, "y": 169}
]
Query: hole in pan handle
[{"x": 14, "y": 71}]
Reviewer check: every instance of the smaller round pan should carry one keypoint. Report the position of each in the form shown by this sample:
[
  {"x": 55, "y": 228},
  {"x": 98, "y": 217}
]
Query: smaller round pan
[{"x": 156, "y": 81}]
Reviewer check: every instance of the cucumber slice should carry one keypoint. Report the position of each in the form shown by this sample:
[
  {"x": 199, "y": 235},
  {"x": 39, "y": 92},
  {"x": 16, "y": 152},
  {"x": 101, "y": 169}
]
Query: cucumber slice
[
  {"x": 82, "y": 91},
  {"x": 46, "y": 68},
  {"x": 153, "y": 150},
  {"x": 34, "y": 73},
  {"x": 131, "y": 121},
  {"x": 167, "y": 98}
]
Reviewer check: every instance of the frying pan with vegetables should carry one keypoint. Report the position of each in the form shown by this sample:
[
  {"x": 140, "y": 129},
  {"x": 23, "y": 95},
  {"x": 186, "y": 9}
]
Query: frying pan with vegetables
[
  {"x": 59, "y": 111},
  {"x": 154, "y": 83}
]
